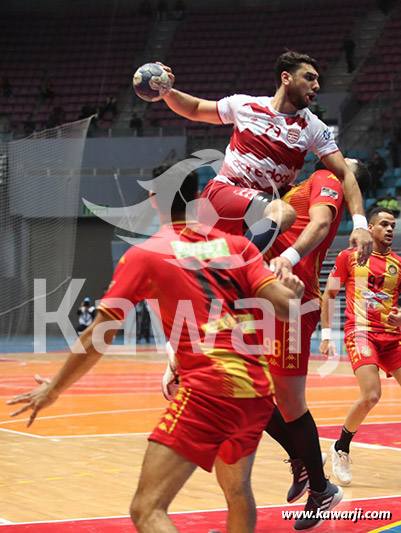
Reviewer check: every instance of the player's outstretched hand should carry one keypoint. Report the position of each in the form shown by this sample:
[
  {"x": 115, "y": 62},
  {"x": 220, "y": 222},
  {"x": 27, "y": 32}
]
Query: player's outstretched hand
[
  {"x": 280, "y": 265},
  {"x": 36, "y": 399},
  {"x": 394, "y": 317},
  {"x": 328, "y": 348},
  {"x": 362, "y": 238},
  {"x": 293, "y": 282},
  {"x": 168, "y": 70}
]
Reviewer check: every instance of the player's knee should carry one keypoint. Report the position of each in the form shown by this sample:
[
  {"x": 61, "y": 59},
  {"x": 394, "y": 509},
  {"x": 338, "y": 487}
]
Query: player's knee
[
  {"x": 139, "y": 511},
  {"x": 371, "y": 399},
  {"x": 237, "y": 491},
  {"x": 282, "y": 213}
]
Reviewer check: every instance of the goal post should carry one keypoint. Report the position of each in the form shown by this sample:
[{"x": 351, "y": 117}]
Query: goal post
[{"x": 39, "y": 199}]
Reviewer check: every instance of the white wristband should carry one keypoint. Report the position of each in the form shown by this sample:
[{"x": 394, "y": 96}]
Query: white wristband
[
  {"x": 326, "y": 334},
  {"x": 292, "y": 255},
  {"x": 360, "y": 222}
]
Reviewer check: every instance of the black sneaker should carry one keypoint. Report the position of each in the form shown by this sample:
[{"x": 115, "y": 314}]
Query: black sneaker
[
  {"x": 300, "y": 481},
  {"x": 317, "y": 505}
]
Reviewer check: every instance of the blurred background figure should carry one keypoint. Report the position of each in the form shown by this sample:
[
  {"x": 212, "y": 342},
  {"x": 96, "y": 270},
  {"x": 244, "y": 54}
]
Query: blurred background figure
[{"x": 86, "y": 313}]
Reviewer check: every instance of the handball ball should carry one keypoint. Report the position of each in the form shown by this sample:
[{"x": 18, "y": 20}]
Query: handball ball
[{"x": 151, "y": 82}]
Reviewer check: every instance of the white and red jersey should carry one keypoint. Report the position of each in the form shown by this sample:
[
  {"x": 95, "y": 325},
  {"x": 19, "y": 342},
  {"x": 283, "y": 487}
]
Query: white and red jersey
[{"x": 267, "y": 146}]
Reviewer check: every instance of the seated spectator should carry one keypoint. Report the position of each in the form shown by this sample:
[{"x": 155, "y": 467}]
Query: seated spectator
[
  {"x": 162, "y": 8},
  {"x": 29, "y": 125},
  {"x": 391, "y": 203},
  {"x": 46, "y": 90},
  {"x": 109, "y": 105},
  {"x": 56, "y": 117},
  {"x": 136, "y": 124},
  {"x": 5, "y": 87},
  {"x": 376, "y": 167},
  {"x": 179, "y": 10}
]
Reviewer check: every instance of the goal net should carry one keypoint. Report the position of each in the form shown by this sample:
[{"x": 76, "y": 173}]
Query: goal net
[{"x": 39, "y": 198}]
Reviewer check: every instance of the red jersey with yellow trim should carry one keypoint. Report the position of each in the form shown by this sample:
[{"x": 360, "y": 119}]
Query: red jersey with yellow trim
[
  {"x": 193, "y": 283},
  {"x": 370, "y": 290},
  {"x": 322, "y": 188}
]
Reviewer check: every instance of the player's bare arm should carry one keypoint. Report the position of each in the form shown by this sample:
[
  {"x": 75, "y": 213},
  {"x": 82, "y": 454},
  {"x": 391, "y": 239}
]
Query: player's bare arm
[
  {"x": 280, "y": 293},
  {"x": 360, "y": 236},
  {"x": 327, "y": 346},
  {"x": 188, "y": 106},
  {"x": 74, "y": 368},
  {"x": 321, "y": 217}
]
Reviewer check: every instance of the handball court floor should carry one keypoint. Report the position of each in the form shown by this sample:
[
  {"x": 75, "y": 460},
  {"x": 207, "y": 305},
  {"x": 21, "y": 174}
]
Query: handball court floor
[{"x": 75, "y": 470}]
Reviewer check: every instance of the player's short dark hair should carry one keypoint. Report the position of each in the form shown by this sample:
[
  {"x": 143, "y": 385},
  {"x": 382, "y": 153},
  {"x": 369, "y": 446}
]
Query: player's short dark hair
[
  {"x": 360, "y": 171},
  {"x": 290, "y": 62},
  {"x": 186, "y": 187},
  {"x": 362, "y": 175},
  {"x": 376, "y": 211}
]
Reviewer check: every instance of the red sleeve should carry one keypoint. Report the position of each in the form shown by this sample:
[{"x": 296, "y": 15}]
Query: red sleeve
[
  {"x": 340, "y": 268},
  {"x": 326, "y": 190},
  {"x": 127, "y": 286}
]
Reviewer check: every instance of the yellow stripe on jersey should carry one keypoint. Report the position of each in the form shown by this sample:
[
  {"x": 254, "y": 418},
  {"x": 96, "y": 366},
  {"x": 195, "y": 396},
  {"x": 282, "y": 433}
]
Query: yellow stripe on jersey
[
  {"x": 229, "y": 321},
  {"x": 237, "y": 383}
]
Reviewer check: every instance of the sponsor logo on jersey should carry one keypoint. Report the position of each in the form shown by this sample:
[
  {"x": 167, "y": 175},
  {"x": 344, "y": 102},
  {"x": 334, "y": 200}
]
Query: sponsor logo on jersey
[
  {"x": 201, "y": 250},
  {"x": 368, "y": 294},
  {"x": 326, "y": 191},
  {"x": 366, "y": 351},
  {"x": 382, "y": 296},
  {"x": 392, "y": 270},
  {"x": 326, "y": 134},
  {"x": 293, "y": 135},
  {"x": 279, "y": 179},
  {"x": 371, "y": 304}
]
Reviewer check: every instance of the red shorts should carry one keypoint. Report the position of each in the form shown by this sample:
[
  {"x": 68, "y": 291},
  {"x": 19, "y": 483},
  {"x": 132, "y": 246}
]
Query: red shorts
[
  {"x": 229, "y": 202},
  {"x": 201, "y": 427},
  {"x": 372, "y": 348},
  {"x": 288, "y": 348}
]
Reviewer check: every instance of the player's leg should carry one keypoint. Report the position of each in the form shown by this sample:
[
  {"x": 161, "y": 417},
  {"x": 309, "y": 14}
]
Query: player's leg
[
  {"x": 238, "y": 210},
  {"x": 265, "y": 219},
  {"x": 235, "y": 480},
  {"x": 370, "y": 392},
  {"x": 163, "y": 473},
  {"x": 290, "y": 397},
  {"x": 370, "y": 387},
  {"x": 397, "y": 374}
]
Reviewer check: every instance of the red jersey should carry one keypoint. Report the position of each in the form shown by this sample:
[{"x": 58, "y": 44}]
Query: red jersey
[
  {"x": 192, "y": 282},
  {"x": 322, "y": 188},
  {"x": 370, "y": 290}
]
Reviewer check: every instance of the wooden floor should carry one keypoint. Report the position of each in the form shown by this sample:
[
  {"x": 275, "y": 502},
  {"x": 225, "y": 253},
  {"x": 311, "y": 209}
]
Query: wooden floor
[{"x": 82, "y": 457}]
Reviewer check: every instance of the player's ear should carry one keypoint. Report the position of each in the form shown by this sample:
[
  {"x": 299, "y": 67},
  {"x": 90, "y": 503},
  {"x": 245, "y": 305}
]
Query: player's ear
[
  {"x": 286, "y": 77},
  {"x": 197, "y": 195}
]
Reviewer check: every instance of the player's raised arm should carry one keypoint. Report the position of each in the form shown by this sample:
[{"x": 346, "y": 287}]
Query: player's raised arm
[
  {"x": 360, "y": 235},
  {"x": 188, "y": 106},
  {"x": 321, "y": 217},
  {"x": 74, "y": 368},
  {"x": 280, "y": 294}
]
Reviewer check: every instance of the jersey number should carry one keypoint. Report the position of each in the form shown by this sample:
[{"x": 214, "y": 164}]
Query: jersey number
[
  {"x": 276, "y": 130},
  {"x": 375, "y": 282}
]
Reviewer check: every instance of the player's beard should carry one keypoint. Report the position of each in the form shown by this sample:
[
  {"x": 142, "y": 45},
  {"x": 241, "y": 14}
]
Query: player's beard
[{"x": 296, "y": 98}]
